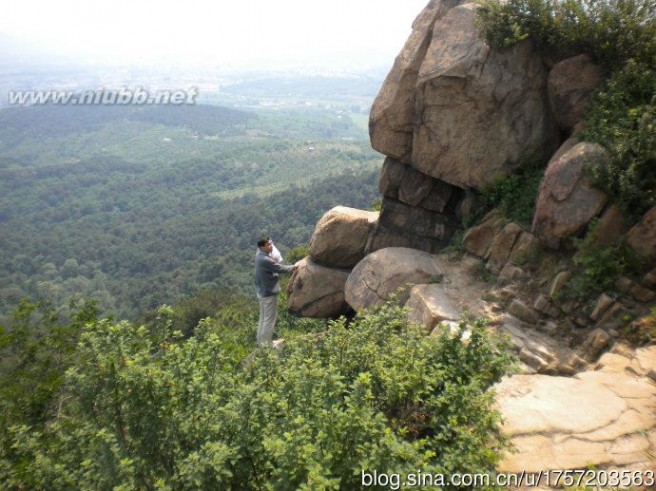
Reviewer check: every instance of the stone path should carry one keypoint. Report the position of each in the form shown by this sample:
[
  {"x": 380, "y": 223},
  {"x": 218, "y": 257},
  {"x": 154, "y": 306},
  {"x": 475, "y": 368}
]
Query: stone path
[{"x": 602, "y": 417}]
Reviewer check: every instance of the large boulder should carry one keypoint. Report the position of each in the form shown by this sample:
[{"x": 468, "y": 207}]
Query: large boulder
[
  {"x": 611, "y": 226},
  {"x": 570, "y": 85},
  {"x": 392, "y": 113},
  {"x": 642, "y": 236},
  {"x": 525, "y": 248},
  {"x": 340, "y": 236},
  {"x": 566, "y": 200},
  {"x": 478, "y": 239},
  {"x": 389, "y": 271},
  {"x": 479, "y": 112},
  {"x": 456, "y": 110},
  {"x": 317, "y": 291}
]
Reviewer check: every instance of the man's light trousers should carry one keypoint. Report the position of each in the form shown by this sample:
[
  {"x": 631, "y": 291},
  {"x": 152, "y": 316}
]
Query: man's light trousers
[{"x": 268, "y": 315}]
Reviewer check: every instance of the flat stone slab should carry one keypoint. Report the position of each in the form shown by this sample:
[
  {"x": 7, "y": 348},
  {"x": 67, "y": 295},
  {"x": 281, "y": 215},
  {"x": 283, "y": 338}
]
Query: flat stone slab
[
  {"x": 602, "y": 418},
  {"x": 429, "y": 305}
]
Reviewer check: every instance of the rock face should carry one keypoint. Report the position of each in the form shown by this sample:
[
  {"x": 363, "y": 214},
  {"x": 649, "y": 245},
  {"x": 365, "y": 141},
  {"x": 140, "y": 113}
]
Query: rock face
[
  {"x": 340, "y": 237},
  {"x": 601, "y": 417},
  {"x": 502, "y": 246},
  {"x": 444, "y": 107},
  {"x": 566, "y": 200},
  {"x": 392, "y": 114},
  {"x": 642, "y": 237},
  {"x": 403, "y": 183},
  {"x": 478, "y": 239},
  {"x": 317, "y": 291},
  {"x": 418, "y": 211},
  {"x": 385, "y": 272},
  {"x": 402, "y": 225},
  {"x": 570, "y": 85}
]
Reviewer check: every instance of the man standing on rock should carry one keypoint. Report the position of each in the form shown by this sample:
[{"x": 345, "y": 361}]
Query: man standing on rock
[{"x": 267, "y": 277}]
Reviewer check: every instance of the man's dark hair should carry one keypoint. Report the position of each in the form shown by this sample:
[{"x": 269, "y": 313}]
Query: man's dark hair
[{"x": 262, "y": 241}]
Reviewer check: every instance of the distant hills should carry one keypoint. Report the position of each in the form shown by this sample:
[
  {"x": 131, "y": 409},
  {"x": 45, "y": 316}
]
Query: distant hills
[
  {"x": 18, "y": 123},
  {"x": 138, "y": 206}
]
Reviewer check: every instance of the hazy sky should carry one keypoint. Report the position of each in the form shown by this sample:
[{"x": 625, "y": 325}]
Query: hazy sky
[{"x": 238, "y": 31}]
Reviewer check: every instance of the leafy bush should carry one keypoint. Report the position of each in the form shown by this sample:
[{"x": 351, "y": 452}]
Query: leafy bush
[
  {"x": 622, "y": 118},
  {"x": 515, "y": 195},
  {"x": 221, "y": 303},
  {"x": 36, "y": 348},
  {"x": 612, "y": 31},
  {"x": 507, "y": 23},
  {"x": 597, "y": 267},
  {"x": 174, "y": 413},
  {"x": 297, "y": 253},
  {"x": 601, "y": 267}
]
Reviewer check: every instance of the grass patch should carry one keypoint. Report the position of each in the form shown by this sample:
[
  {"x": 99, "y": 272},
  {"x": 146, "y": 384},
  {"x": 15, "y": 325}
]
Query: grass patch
[{"x": 515, "y": 195}]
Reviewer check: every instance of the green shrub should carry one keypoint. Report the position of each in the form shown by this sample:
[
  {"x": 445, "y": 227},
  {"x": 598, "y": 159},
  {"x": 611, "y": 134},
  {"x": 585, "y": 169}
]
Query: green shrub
[
  {"x": 219, "y": 303},
  {"x": 297, "y": 253},
  {"x": 372, "y": 394},
  {"x": 36, "y": 348},
  {"x": 507, "y": 23},
  {"x": 611, "y": 31},
  {"x": 515, "y": 195},
  {"x": 600, "y": 268},
  {"x": 597, "y": 267},
  {"x": 622, "y": 118}
]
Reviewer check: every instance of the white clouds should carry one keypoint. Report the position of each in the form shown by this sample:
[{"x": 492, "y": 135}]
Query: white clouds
[{"x": 225, "y": 30}]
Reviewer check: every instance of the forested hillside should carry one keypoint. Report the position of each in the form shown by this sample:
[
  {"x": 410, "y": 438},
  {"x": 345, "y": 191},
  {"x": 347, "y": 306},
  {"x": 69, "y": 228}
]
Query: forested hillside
[{"x": 141, "y": 206}]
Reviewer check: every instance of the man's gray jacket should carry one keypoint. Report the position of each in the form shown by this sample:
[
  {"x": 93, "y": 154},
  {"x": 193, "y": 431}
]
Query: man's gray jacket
[{"x": 267, "y": 273}]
